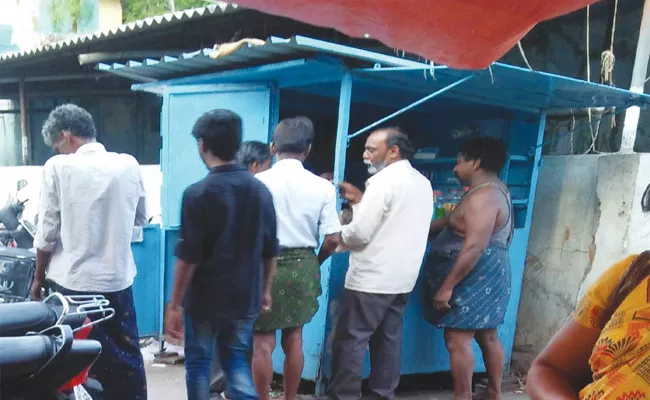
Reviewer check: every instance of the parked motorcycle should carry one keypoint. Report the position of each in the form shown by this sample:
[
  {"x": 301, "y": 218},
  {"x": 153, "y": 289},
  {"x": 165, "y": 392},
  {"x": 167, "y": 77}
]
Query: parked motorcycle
[
  {"x": 45, "y": 352},
  {"x": 17, "y": 267},
  {"x": 17, "y": 262},
  {"x": 17, "y": 232}
]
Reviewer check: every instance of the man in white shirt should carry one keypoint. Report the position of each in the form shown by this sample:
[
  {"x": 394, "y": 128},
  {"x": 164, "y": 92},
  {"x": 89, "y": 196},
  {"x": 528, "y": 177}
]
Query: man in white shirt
[
  {"x": 90, "y": 202},
  {"x": 305, "y": 205},
  {"x": 387, "y": 238}
]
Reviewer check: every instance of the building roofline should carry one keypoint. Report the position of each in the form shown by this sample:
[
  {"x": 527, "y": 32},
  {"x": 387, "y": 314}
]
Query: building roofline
[{"x": 159, "y": 21}]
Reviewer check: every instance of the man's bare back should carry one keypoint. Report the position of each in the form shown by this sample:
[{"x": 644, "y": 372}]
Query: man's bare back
[{"x": 489, "y": 196}]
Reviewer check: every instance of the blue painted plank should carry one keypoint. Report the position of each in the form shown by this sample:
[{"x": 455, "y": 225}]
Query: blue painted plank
[
  {"x": 352, "y": 52},
  {"x": 248, "y": 73},
  {"x": 171, "y": 238},
  {"x": 146, "y": 285},
  {"x": 527, "y": 135},
  {"x": 284, "y": 74},
  {"x": 183, "y": 165}
]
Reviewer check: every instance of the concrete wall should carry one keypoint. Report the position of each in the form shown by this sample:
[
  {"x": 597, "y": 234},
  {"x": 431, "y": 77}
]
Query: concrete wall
[
  {"x": 10, "y": 135},
  {"x": 110, "y": 14},
  {"x": 587, "y": 216},
  {"x": 617, "y": 180},
  {"x": 151, "y": 175}
]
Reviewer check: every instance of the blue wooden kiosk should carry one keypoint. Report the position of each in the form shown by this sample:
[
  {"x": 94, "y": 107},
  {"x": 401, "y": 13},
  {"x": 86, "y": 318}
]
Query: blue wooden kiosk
[{"x": 347, "y": 92}]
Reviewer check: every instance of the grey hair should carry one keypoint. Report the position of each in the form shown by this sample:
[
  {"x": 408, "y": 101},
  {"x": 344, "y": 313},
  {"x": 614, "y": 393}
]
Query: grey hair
[
  {"x": 71, "y": 118},
  {"x": 253, "y": 151},
  {"x": 293, "y": 135},
  {"x": 398, "y": 137}
]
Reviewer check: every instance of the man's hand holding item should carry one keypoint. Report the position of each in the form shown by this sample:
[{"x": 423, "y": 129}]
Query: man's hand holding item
[{"x": 350, "y": 192}]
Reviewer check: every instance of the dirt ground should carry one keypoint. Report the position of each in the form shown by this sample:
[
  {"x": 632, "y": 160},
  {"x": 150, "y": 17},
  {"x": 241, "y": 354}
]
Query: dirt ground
[{"x": 168, "y": 383}]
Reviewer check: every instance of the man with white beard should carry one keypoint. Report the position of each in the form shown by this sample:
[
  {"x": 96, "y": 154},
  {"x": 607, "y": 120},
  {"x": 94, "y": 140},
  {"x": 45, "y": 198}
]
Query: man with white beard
[{"x": 387, "y": 238}]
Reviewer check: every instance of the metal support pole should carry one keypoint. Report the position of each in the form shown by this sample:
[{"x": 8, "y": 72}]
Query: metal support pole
[
  {"x": 638, "y": 81},
  {"x": 274, "y": 118},
  {"x": 164, "y": 161},
  {"x": 537, "y": 163},
  {"x": 162, "y": 287},
  {"x": 412, "y": 105},
  {"x": 23, "y": 122},
  {"x": 391, "y": 69},
  {"x": 340, "y": 151}
]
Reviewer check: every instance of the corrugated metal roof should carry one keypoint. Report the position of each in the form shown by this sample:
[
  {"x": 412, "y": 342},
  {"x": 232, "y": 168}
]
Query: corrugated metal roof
[
  {"x": 299, "y": 62},
  {"x": 132, "y": 27},
  {"x": 273, "y": 49}
]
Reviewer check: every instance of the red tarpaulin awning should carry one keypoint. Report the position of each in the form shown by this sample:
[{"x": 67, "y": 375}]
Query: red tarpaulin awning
[{"x": 463, "y": 34}]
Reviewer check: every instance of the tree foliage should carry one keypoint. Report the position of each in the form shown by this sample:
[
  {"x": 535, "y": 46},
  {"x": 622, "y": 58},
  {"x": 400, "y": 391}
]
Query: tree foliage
[
  {"x": 76, "y": 12},
  {"x": 138, "y": 9}
]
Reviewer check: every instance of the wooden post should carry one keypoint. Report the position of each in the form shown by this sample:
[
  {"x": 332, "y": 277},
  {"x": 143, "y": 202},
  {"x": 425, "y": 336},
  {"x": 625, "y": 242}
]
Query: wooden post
[
  {"x": 23, "y": 122},
  {"x": 638, "y": 81}
]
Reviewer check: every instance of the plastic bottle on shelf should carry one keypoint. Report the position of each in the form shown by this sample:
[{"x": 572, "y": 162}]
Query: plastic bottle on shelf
[
  {"x": 451, "y": 200},
  {"x": 438, "y": 210}
]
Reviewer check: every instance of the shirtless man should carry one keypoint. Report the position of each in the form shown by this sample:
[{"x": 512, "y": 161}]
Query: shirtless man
[{"x": 468, "y": 271}]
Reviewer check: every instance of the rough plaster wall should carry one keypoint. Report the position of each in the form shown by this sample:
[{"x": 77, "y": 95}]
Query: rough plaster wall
[
  {"x": 560, "y": 250},
  {"x": 617, "y": 175},
  {"x": 639, "y": 232},
  {"x": 587, "y": 216}
]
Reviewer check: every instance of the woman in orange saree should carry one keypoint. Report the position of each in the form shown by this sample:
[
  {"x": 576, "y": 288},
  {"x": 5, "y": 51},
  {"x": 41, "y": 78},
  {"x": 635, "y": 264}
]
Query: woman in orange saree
[{"x": 603, "y": 352}]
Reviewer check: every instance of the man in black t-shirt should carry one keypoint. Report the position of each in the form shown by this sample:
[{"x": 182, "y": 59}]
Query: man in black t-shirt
[
  {"x": 256, "y": 156},
  {"x": 226, "y": 259}
]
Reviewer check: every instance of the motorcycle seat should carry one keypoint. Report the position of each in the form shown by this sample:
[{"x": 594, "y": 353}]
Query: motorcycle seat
[
  {"x": 16, "y": 319},
  {"x": 21, "y": 357}
]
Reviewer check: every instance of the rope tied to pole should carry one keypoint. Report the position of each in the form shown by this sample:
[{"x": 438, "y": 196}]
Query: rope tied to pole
[
  {"x": 607, "y": 57},
  {"x": 607, "y": 61}
]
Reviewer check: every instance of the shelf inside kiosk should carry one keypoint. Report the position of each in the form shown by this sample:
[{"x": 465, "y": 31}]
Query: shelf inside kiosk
[{"x": 437, "y": 130}]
